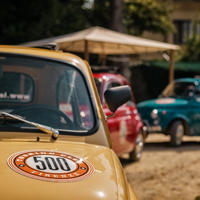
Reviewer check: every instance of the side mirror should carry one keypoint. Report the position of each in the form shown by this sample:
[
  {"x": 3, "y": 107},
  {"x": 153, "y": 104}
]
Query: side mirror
[{"x": 117, "y": 96}]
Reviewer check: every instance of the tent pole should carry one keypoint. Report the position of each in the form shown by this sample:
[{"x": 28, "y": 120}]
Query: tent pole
[
  {"x": 86, "y": 54},
  {"x": 103, "y": 60},
  {"x": 171, "y": 66}
]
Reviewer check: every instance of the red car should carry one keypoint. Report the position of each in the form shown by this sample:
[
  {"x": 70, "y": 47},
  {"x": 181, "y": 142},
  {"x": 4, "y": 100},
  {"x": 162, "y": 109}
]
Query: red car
[{"x": 126, "y": 128}]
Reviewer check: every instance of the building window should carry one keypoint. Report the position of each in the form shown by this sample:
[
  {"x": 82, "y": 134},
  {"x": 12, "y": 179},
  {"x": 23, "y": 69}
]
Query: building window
[{"x": 183, "y": 29}]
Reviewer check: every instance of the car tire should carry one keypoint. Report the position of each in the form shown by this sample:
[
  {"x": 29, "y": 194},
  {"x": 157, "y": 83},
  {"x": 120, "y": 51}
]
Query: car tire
[
  {"x": 136, "y": 154},
  {"x": 176, "y": 132}
]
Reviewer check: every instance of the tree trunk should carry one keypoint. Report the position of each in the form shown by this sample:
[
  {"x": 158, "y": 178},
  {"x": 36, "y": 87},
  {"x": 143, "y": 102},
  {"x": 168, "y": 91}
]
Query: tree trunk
[
  {"x": 116, "y": 9},
  {"x": 116, "y": 24}
]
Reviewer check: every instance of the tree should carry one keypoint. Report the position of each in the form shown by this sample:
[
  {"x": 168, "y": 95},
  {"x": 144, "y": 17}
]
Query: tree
[
  {"x": 148, "y": 15},
  {"x": 116, "y": 24},
  {"x": 136, "y": 16},
  {"x": 98, "y": 14},
  {"x": 116, "y": 19},
  {"x": 23, "y": 21}
]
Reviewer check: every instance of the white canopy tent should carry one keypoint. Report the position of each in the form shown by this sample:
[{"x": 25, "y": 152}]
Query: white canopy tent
[{"x": 98, "y": 40}]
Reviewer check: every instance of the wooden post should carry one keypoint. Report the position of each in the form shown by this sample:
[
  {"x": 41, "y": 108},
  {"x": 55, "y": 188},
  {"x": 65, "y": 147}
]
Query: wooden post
[
  {"x": 103, "y": 60},
  {"x": 86, "y": 53},
  {"x": 171, "y": 66}
]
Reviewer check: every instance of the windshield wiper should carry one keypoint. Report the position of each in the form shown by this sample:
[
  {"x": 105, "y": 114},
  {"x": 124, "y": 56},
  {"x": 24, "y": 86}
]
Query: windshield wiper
[{"x": 54, "y": 133}]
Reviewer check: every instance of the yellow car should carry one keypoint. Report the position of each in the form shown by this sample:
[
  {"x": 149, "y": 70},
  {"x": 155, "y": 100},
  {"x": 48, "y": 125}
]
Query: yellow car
[{"x": 54, "y": 139}]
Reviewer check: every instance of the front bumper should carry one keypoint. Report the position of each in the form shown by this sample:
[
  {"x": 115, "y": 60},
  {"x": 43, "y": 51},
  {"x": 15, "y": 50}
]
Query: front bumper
[{"x": 150, "y": 129}]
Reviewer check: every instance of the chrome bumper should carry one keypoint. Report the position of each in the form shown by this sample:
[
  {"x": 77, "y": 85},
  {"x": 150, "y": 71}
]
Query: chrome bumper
[{"x": 150, "y": 129}]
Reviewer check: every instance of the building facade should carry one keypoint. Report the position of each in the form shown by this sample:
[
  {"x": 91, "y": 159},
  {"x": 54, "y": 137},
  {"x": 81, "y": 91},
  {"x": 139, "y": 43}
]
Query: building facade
[
  {"x": 182, "y": 17},
  {"x": 185, "y": 11}
]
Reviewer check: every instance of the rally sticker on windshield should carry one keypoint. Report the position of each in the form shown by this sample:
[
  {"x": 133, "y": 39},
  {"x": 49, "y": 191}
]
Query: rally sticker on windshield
[{"x": 50, "y": 166}]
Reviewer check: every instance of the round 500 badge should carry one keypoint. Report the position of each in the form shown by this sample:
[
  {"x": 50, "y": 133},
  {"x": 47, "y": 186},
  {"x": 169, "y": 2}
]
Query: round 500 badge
[{"x": 50, "y": 166}]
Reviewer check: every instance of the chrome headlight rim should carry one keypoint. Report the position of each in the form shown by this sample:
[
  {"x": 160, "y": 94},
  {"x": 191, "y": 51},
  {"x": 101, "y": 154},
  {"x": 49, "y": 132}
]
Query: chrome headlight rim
[{"x": 154, "y": 114}]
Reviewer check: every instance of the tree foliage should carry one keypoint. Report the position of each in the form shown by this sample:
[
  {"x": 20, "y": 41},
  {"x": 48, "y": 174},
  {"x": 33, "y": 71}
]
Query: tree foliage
[
  {"x": 148, "y": 15},
  {"x": 22, "y": 21},
  {"x": 138, "y": 16},
  {"x": 99, "y": 13}
]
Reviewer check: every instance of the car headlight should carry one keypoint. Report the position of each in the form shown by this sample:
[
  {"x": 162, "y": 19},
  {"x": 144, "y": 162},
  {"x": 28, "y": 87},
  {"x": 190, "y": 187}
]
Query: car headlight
[{"x": 154, "y": 114}]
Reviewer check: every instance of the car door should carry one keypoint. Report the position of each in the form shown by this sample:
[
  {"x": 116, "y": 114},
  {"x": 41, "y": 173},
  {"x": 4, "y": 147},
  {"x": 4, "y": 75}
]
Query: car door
[{"x": 195, "y": 113}]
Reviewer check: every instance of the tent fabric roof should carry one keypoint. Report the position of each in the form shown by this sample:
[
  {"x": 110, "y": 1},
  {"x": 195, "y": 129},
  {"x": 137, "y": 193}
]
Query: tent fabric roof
[{"x": 104, "y": 41}]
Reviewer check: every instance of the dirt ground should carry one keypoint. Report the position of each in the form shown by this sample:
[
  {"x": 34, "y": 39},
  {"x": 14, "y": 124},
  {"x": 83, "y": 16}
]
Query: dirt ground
[{"x": 165, "y": 172}]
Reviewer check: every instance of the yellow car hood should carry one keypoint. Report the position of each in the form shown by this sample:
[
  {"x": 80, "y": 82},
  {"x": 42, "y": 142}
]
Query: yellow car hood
[{"x": 105, "y": 182}]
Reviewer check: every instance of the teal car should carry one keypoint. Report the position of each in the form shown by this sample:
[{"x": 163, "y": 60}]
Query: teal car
[{"x": 176, "y": 112}]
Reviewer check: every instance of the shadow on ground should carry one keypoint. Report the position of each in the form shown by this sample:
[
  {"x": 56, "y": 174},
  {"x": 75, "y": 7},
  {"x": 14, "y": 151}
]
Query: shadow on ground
[{"x": 164, "y": 146}]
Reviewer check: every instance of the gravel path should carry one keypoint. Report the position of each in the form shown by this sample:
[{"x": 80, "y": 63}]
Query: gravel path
[{"x": 165, "y": 172}]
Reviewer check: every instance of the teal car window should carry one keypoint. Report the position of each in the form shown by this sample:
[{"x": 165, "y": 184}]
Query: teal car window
[{"x": 179, "y": 90}]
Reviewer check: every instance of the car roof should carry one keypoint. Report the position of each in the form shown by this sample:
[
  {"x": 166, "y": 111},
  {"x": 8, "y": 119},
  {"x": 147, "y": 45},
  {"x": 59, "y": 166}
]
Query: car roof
[
  {"x": 187, "y": 80},
  {"x": 51, "y": 54}
]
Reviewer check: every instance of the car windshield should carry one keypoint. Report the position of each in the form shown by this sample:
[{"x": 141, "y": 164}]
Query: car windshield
[
  {"x": 47, "y": 92},
  {"x": 179, "y": 90}
]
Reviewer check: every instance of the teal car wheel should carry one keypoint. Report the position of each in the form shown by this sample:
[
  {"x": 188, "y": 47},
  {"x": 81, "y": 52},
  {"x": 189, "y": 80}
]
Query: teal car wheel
[
  {"x": 136, "y": 154},
  {"x": 176, "y": 132}
]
